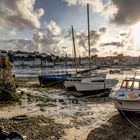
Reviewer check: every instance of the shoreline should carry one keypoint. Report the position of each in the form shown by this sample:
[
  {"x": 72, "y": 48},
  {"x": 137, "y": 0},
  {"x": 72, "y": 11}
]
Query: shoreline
[{"x": 90, "y": 118}]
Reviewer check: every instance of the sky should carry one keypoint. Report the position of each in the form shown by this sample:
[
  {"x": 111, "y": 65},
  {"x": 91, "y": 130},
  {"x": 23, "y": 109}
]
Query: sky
[{"x": 45, "y": 26}]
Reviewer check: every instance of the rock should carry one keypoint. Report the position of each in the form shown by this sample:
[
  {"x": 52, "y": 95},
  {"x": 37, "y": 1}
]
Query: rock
[
  {"x": 75, "y": 101},
  {"x": 64, "y": 103},
  {"x": 42, "y": 109},
  {"x": 61, "y": 100},
  {"x": 51, "y": 105},
  {"x": 134, "y": 136},
  {"x": 22, "y": 92}
]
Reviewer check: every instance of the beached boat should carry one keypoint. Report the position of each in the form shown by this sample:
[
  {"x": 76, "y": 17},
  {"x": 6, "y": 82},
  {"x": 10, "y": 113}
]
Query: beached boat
[
  {"x": 95, "y": 85},
  {"x": 80, "y": 75},
  {"x": 70, "y": 82},
  {"x": 53, "y": 78},
  {"x": 127, "y": 98},
  {"x": 113, "y": 71}
]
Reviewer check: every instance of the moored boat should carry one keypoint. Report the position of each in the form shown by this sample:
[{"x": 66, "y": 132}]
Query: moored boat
[
  {"x": 53, "y": 78},
  {"x": 127, "y": 98},
  {"x": 70, "y": 82},
  {"x": 95, "y": 85}
]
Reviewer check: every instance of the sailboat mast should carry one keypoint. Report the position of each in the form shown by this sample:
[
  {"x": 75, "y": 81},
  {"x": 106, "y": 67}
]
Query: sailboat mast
[
  {"x": 74, "y": 48},
  {"x": 89, "y": 37}
]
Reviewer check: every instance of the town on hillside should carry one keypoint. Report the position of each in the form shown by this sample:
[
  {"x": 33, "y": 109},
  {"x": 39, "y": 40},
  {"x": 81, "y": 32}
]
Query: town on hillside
[{"x": 36, "y": 59}]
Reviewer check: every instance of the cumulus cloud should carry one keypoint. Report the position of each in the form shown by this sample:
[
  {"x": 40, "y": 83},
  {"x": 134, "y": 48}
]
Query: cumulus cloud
[
  {"x": 121, "y": 12},
  {"x": 19, "y": 14},
  {"x": 109, "y": 10},
  {"x": 127, "y": 12},
  {"x": 124, "y": 44},
  {"x": 124, "y": 39},
  {"x": 95, "y": 37},
  {"x": 96, "y": 5},
  {"x": 48, "y": 40},
  {"x": 16, "y": 44}
]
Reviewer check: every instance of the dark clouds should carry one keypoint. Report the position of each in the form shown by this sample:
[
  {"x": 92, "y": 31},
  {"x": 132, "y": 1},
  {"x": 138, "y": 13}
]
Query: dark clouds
[
  {"x": 117, "y": 44},
  {"x": 123, "y": 40},
  {"x": 128, "y": 12}
]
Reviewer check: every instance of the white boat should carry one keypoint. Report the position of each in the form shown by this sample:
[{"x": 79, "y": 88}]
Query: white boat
[
  {"x": 95, "y": 85},
  {"x": 127, "y": 98},
  {"x": 70, "y": 82}
]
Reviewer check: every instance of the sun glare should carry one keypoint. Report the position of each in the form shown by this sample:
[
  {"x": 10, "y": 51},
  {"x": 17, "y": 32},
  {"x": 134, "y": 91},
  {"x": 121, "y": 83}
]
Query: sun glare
[{"x": 136, "y": 34}]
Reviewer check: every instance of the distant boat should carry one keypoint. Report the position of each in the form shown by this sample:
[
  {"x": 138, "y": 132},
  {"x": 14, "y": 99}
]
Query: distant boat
[
  {"x": 53, "y": 78},
  {"x": 95, "y": 85},
  {"x": 113, "y": 71},
  {"x": 127, "y": 98}
]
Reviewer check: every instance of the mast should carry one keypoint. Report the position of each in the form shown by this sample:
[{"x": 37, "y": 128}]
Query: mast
[
  {"x": 89, "y": 37},
  {"x": 74, "y": 48}
]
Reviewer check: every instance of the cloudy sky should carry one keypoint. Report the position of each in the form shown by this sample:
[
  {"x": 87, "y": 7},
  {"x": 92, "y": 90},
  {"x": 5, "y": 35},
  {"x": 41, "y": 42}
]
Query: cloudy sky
[{"x": 45, "y": 26}]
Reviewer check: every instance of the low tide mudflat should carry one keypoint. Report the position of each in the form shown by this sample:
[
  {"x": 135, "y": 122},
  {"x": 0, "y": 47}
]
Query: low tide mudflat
[{"x": 52, "y": 114}]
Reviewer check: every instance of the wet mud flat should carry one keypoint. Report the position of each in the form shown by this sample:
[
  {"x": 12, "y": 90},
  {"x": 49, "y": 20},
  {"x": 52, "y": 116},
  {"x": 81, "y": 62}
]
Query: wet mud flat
[{"x": 52, "y": 113}]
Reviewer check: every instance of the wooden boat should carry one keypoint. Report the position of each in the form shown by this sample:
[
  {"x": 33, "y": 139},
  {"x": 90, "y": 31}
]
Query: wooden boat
[{"x": 127, "y": 98}]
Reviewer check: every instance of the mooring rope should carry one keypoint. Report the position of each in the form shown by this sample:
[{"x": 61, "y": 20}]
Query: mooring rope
[{"x": 130, "y": 121}]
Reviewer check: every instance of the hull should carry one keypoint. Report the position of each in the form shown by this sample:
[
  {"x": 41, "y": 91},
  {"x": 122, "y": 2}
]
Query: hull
[
  {"x": 70, "y": 83},
  {"x": 95, "y": 86},
  {"x": 99, "y": 93},
  {"x": 127, "y": 105},
  {"x": 95, "y": 93},
  {"x": 53, "y": 79}
]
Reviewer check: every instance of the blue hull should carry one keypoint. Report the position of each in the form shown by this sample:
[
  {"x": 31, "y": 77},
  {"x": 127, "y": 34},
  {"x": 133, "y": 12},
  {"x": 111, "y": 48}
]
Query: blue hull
[{"x": 53, "y": 78}]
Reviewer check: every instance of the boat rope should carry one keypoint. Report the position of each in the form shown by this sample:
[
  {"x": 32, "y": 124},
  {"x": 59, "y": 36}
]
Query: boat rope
[
  {"x": 127, "y": 117},
  {"x": 130, "y": 121},
  {"x": 98, "y": 95}
]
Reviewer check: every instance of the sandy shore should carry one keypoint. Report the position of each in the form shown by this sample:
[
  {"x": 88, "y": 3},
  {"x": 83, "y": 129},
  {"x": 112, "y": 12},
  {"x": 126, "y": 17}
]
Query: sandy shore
[{"x": 84, "y": 119}]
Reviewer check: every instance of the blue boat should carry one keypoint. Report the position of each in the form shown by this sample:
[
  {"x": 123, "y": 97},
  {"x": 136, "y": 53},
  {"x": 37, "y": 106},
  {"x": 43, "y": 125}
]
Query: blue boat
[{"x": 53, "y": 78}]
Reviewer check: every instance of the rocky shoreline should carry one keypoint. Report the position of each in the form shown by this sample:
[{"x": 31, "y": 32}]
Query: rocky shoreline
[{"x": 52, "y": 115}]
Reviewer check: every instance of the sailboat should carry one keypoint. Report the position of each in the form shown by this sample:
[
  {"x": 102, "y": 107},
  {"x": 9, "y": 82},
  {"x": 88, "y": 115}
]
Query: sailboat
[
  {"x": 70, "y": 82},
  {"x": 93, "y": 85}
]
